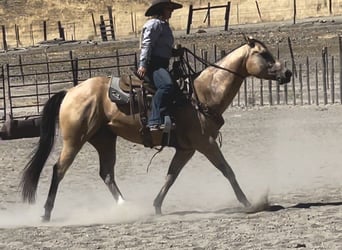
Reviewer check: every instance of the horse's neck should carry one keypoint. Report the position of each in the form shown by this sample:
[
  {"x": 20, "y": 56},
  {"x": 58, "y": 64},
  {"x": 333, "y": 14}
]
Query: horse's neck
[{"x": 216, "y": 88}]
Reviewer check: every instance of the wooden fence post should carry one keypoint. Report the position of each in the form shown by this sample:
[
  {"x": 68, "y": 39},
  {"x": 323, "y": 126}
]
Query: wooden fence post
[
  {"x": 226, "y": 17},
  {"x": 308, "y": 79},
  {"x": 103, "y": 29},
  {"x": 316, "y": 80},
  {"x": 259, "y": 13},
  {"x": 294, "y": 90},
  {"x": 324, "y": 61},
  {"x": 270, "y": 98},
  {"x": 94, "y": 24},
  {"x": 61, "y": 31},
  {"x": 301, "y": 84},
  {"x": 294, "y": 11},
  {"x": 330, "y": 7},
  {"x": 332, "y": 81},
  {"x": 245, "y": 92},
  {"x": 44, "y": 31},
  {"x": 189, "y": 19},
  {"x": 31, "y": 34},
  {"x": 208, "y": 15},
  {"x": 340, "y": 67},
  {"x": 261, "y": 93},
  {"x": 132, "y": 23},
  {"x": 327, "y": 67},
  {"x": 294, "y": 70},
  {"x": 278, "y": 92},
  {"x": 4, "y": 41},
  {"x": 253, "y": 94},
  {"x": 285, "y": 91},
  {"x": 324, "y": 76},
  {"x": 17, "y": 35}
]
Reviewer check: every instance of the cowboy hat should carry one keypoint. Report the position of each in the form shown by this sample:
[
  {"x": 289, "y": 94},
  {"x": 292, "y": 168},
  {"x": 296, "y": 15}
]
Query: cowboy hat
[{"x": 158, "y": 4}]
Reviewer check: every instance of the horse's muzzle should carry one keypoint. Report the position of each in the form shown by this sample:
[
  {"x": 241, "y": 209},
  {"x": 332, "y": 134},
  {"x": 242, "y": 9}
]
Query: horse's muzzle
[{"x": 284, "y": 77}]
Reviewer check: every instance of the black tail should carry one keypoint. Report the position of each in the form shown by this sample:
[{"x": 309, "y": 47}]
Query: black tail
[{"x": 34, "y": 167}]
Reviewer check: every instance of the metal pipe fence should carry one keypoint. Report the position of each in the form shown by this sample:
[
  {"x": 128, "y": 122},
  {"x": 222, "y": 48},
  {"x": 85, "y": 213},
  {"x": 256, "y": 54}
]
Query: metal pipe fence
[
  {"x": 26, "y": 86},
  {"x": 30, "y": 85}
]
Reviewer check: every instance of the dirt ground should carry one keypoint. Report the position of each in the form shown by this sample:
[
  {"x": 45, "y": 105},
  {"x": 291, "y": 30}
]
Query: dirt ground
[{"x": 288, "y": 157}]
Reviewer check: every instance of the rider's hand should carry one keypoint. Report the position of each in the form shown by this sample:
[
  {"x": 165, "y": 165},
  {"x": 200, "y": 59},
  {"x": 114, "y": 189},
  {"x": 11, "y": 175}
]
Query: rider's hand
[
  {"x": 178, "y": 52},
  {"x": 141, "y": 72}
]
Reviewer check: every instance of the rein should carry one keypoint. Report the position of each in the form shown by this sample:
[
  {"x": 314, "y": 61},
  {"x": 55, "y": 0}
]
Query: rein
[
  {"x": 199, "y": 106},
  {"x": 207, "y": 63}
]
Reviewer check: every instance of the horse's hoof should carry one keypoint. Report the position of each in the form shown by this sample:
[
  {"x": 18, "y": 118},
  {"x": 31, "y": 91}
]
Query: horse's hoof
[
  {"x": 247, "y": 204},
  {"x": 45, "y": 218},
  {"x": 121, "y": 201},
  {"x": 158, "y": 210}
]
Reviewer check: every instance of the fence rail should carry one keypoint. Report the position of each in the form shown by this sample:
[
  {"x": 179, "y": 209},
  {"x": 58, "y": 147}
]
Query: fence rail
[{"x": 29, "y": 85}]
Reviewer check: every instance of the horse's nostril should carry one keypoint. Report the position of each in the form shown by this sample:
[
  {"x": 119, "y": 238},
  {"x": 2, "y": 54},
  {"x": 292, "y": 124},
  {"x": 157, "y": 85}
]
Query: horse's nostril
[{"x": 288, "y": 73}]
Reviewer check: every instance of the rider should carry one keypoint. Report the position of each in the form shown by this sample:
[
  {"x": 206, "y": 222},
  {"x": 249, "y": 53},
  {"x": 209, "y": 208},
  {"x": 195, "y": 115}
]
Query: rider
[{"x": 156, "y": 51}]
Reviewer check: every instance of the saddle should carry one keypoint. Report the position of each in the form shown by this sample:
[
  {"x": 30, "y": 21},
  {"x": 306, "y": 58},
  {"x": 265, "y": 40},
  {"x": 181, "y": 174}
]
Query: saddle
[
  {"x": 122, "y": 87},
  {"x": 135, "y": 92}
]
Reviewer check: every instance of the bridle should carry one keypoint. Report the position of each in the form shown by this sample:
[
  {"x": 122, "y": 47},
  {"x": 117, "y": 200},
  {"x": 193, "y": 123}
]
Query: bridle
[
  {"x": 199, "y": 106},
  {"x": 207, "y": 63}
]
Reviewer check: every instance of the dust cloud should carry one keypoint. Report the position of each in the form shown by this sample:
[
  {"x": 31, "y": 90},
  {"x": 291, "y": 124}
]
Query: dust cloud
[{"x": 278, "y": 158}]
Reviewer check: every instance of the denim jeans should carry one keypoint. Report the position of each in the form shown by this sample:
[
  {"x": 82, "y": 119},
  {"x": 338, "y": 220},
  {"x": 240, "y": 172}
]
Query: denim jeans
[{"x": 163, "y": 96}]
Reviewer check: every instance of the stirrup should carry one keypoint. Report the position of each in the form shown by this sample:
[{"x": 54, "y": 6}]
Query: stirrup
[{"x": 167, "y": 127}]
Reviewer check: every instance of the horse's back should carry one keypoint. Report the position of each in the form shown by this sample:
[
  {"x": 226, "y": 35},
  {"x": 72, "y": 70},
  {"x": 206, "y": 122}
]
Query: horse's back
[{"x": 83, "y": 108}]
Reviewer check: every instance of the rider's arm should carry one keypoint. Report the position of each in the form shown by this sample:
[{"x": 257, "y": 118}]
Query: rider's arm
[{"x": 150, "y": 34}]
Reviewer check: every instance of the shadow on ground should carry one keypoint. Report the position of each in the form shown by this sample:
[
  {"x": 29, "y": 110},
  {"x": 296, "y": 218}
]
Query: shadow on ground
[{"x": 263, "y": 208}]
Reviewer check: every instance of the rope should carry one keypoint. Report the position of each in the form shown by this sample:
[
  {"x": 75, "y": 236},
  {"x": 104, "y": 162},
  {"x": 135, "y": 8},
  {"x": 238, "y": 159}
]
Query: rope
[
  {"x": 220, "y": 139},
  {"x": 154, "y": 155}
]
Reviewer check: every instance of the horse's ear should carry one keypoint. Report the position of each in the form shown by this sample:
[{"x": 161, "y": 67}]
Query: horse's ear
[{"x": 249, "y": 40}]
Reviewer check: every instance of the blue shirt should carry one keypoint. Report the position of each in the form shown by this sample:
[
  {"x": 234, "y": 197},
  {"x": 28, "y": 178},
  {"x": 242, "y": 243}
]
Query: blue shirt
[{"x": 156, "y": 40}]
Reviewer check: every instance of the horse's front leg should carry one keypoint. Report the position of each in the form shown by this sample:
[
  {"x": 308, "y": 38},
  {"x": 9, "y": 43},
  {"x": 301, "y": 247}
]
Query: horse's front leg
[
  {"x": 215, "y": 156},
  {"x": 179, "y": 160}
]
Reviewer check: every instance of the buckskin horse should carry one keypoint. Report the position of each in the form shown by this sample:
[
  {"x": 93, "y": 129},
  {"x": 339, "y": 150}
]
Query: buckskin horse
[{"x": 86, "y": 114}]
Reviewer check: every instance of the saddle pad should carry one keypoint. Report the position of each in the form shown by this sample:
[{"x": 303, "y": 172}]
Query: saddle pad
[{"x": 115, "y": 93}]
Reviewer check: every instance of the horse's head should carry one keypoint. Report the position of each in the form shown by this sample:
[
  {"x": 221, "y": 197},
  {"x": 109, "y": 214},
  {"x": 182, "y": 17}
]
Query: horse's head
[{"x": 261, "y": 63}]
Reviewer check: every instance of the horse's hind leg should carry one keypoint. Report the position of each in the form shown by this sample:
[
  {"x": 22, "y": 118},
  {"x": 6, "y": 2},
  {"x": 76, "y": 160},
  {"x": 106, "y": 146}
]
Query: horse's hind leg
[
  {"x": 59, "y": 169},
  {"x": 215, "y": 156},
  {"x": 179, "y": 160},
  {"x": 104, "y": 142}
]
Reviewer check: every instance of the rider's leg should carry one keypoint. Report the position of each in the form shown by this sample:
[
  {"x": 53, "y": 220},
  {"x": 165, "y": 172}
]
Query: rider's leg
[{"x": 163, "y": 96}]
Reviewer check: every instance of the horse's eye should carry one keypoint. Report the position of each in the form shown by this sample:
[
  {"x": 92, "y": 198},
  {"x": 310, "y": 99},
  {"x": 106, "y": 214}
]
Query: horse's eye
[{"x": 267, "y": 56}]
